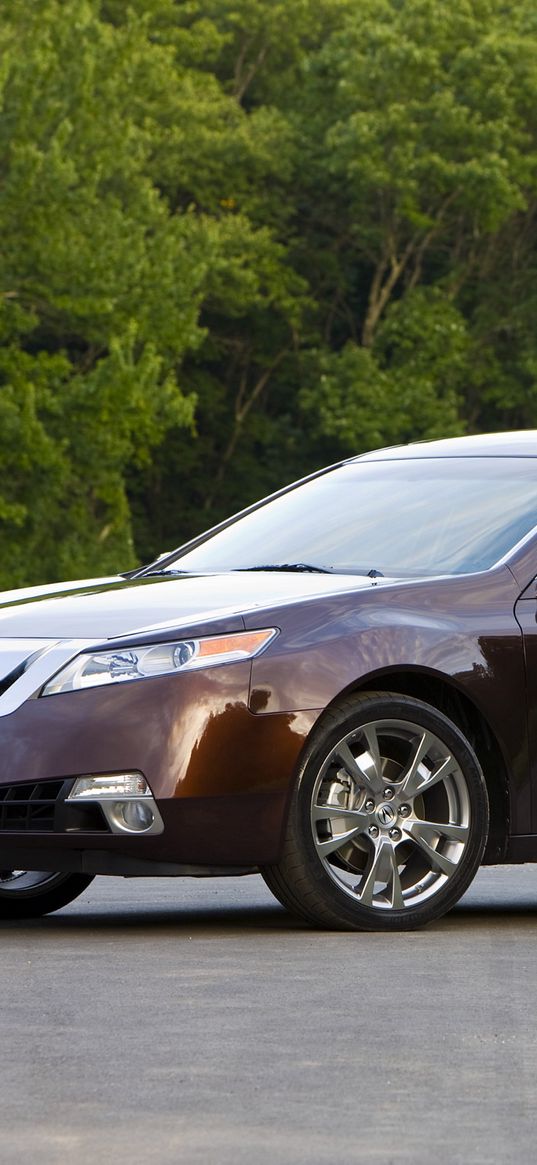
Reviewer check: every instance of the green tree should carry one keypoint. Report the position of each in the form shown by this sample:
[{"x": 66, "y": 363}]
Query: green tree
[
  {"x": 114, "y": 241},
  {"x": 422, "y": 158},
  {"x": 243, "y": 237}
]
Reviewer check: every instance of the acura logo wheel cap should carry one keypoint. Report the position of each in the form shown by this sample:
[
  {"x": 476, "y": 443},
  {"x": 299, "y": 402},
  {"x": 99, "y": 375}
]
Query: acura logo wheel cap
[{"x": 386, "y": 815}]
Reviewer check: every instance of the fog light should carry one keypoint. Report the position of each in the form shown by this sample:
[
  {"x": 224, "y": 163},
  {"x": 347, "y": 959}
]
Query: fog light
[
  {"x": 111, "y": 785},
  {"x": 125, "y": 799},
  {"x": 134, "y": 815}
]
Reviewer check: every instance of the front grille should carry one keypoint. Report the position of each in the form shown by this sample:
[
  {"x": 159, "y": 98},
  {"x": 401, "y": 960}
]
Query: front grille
[{"x": 29, "y": 806}]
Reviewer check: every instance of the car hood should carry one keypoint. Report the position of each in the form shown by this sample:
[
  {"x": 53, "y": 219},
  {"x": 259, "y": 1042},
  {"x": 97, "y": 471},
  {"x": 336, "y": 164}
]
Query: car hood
[{"x": 111, "y": 607}]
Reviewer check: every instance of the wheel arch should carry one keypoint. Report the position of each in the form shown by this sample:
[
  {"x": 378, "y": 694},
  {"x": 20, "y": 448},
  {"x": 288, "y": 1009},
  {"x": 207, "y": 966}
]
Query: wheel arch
[{"x": 446, "y": 697}]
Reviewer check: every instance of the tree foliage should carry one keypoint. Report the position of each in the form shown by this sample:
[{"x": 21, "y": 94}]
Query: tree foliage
[{"x": 242, "y": 237}]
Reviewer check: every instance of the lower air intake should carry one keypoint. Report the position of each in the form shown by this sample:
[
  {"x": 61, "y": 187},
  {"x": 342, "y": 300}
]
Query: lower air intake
[{"x": 30, "y": 806}]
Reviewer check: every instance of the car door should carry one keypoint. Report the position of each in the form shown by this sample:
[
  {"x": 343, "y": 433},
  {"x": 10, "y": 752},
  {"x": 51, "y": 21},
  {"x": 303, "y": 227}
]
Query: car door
[{"x": 526, "y": 615}]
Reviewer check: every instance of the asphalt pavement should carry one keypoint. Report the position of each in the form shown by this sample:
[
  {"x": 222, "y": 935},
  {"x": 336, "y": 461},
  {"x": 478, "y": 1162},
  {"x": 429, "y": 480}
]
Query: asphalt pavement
[{"x": 189, "y": 1021}]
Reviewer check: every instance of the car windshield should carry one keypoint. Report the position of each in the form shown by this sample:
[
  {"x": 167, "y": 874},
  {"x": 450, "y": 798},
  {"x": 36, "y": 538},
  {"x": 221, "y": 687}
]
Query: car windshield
[{"x": 401, "y": 518}]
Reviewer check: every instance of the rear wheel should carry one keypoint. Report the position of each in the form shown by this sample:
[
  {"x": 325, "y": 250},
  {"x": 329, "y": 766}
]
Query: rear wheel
[
  {"x": 31, "y": 893},
  {"x": 388, "y": 821}
]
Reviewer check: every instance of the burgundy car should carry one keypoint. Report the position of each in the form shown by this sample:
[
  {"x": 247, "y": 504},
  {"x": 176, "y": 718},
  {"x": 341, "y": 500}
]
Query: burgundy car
[{"x": 335, "y": 689}]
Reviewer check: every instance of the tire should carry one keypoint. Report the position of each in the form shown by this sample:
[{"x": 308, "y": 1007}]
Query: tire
[
  {"x": 388, "y": 819},
  {"x": 30, "y": 894}
]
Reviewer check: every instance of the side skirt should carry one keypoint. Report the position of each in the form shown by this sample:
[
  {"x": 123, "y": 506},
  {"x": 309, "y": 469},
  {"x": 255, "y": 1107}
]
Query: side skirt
[{"x": 522, "y": 848}]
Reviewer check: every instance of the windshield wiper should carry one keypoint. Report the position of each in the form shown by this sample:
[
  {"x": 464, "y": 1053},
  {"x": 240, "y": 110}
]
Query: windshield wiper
[
  {"x": 293, "y": 567},
  {"x": 299, "y": 567},
  {"x": 306, "y": 568},
  {"x": 151, "y": 573}
]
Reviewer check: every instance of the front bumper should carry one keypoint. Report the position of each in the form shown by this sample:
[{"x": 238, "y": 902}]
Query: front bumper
[{"x": 219, "y": 773}]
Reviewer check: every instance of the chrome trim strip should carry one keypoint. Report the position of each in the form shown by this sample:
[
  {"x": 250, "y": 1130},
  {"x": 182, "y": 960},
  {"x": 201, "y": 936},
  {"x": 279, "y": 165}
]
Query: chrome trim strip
[{"x": 54, "y": 656}]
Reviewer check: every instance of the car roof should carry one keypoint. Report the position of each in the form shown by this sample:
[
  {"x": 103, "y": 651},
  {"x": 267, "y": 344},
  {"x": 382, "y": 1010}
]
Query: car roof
[{"x": 519, "y": 444}]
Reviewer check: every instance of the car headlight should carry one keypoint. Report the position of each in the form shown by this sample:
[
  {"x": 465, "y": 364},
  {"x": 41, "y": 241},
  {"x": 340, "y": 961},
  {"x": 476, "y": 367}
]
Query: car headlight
[{"x": 136, "y": 663}]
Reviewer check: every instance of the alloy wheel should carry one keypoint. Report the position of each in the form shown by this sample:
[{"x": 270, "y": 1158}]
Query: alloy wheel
[{"x": 390, "y": 814}]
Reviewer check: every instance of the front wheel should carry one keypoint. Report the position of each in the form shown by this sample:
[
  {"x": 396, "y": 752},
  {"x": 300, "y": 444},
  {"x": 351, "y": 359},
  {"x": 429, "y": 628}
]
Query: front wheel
[
  {"x": 388, "y": 820},
  {"x": 30, "y": 894}
]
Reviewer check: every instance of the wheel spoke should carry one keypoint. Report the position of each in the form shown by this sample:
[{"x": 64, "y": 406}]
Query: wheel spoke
[
  {"x": 360, "y": 821},
  {"x": 370, "y": 734},
  {"x": 445, "y": 769},
  {"x": 325, "y": 812},
  {"x": 383, "y": 869},
  {"x": 372, "y": 779},
  {"x": 433, "y": 828},
  {"x": 414, "y": 781},
  {"x": 422, "y": 833},
  {"x": 329, "y": 845},
  {"x": 450, "y": 830}
]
